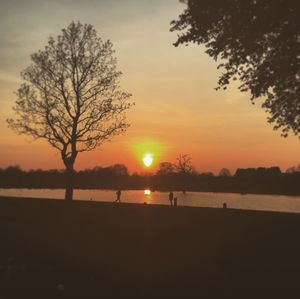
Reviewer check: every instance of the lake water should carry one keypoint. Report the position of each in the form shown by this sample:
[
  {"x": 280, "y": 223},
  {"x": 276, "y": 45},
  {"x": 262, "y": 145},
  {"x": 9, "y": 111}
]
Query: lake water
[{"x": 199, "y": 199}]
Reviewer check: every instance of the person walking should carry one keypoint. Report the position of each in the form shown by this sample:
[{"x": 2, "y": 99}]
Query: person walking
[
  {"x": 118, "y": 193},
  {"x": 171, "y": 196}
]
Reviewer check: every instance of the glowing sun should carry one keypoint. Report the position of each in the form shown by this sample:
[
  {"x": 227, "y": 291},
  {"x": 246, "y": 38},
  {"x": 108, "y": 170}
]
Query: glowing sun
[{"x": 148, "y": 160}]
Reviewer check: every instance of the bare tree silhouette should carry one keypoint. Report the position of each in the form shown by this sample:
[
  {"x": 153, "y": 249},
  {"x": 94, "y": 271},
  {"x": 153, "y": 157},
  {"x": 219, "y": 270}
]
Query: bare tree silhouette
[
  {"x": 71, "y": 96},
  {"x": 185, "y": 168},
  {"x": 258, "y": 43},
  {"x": 184, "y": 164}
]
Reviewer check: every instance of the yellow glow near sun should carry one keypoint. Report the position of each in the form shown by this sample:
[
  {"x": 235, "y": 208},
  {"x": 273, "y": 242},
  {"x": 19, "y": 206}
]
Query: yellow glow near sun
[
  {"x": 148, "y": 160},
  {"x": 148, "y": 152}
]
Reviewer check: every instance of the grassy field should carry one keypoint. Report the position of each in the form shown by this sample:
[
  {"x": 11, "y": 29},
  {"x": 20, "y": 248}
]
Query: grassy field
[{"x": 107, "y": 250}]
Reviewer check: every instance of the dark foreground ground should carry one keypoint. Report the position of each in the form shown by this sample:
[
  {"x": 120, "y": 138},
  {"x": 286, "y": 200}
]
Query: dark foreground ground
[{"x": 104, "y": 250}]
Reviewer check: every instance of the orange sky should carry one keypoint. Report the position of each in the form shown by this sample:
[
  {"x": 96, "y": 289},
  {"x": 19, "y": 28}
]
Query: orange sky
[{"x": 173, "y": 88}]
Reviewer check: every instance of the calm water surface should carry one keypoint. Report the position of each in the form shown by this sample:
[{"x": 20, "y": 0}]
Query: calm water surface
[{"x": 198, "y": 199}]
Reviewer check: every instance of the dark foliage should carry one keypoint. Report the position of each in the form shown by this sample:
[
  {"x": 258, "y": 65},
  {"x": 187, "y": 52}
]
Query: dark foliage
[{"x": 258, "y": 42}]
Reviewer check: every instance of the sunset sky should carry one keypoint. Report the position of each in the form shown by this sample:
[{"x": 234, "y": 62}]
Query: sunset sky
[{"x": 177, "y": 109}]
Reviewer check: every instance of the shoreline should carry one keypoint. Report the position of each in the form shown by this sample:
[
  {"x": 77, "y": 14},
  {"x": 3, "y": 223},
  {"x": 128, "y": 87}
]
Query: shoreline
[{"x": 143, "y": 204}]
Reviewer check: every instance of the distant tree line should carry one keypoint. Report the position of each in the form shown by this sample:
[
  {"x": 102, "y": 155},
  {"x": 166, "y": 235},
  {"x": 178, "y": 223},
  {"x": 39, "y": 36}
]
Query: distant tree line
[{"x": 250, "y": 180}]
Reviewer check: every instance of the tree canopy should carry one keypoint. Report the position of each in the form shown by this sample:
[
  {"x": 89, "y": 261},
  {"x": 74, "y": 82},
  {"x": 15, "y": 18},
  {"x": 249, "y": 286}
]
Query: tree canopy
[
  {"x": 258, "y": 42},
  {"x": 224, "y": 172},
  {"x": 166, "y": 168}
]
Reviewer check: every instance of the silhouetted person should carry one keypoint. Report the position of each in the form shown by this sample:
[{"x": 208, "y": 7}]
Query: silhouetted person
[
  {"x": 224, "y": 205},
  {"x": 171, "y": 196},
  {"x": 118, "y": 193}
]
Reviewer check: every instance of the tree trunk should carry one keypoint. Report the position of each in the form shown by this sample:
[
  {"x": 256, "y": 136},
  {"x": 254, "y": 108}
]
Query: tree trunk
[{"x": 69, "y": 183}]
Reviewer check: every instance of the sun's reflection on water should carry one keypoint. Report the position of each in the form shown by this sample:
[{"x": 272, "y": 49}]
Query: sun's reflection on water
[
  {"x": 147, "y": 192},
  {"x": 147, "y": 196}
]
